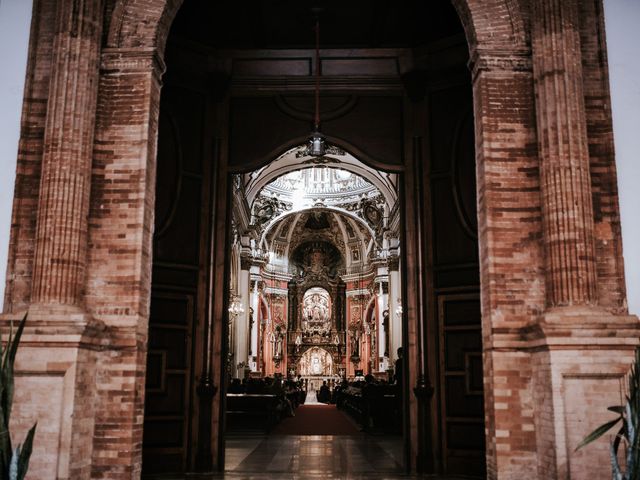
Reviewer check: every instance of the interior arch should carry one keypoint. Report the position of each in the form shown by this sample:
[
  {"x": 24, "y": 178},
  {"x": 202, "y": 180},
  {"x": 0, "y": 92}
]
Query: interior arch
[{"x": 289, "y": 161}]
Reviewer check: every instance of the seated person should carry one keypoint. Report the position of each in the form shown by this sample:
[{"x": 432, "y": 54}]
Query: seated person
[
  {"x": 274, "y": 386},
  {"x": 255, "y": 385},
  {"x": 324, "y": 395},
  {"x": 236, "y": 386},
  {"x": 399, "y": 367}
]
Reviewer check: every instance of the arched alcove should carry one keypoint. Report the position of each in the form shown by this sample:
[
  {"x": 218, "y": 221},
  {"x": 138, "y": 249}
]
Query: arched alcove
[{"x": 316, "y": 361}]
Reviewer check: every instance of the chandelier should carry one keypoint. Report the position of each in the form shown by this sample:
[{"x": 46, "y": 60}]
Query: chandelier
[{"x": 235, "y": 306}]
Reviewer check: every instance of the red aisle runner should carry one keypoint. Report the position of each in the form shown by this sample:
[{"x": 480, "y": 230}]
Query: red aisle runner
[{"x": 317, "y": 420}]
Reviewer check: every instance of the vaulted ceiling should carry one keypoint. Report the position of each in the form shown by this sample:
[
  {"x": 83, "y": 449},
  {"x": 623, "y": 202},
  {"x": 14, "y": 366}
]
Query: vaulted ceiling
[
  {"x": 340, "y": 201},
  {"x": 349, "y": 234}
]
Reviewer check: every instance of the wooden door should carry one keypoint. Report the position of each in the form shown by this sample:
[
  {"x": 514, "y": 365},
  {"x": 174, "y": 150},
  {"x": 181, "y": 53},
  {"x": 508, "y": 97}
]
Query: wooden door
[
  {"x": 178, "y": 283},
  {"x": 455, "y": 283}
]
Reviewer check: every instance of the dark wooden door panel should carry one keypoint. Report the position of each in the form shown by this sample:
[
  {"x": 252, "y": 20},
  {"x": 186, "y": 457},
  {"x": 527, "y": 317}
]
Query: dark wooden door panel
[
  {"x": 462, "y": 417},
  {"x": 176, "y": 304},
  {"x": 455, "y": 283},
  {"x": 167, "y": 385}
]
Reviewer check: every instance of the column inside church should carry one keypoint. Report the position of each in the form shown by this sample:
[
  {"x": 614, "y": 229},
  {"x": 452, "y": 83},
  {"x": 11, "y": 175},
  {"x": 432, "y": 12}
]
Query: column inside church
[
  {"x": 395, "y": 311},
  {"x": 254, "y": 323},
  {"x": 382, "y": 318},
  {"x": 242, "y": 333}
]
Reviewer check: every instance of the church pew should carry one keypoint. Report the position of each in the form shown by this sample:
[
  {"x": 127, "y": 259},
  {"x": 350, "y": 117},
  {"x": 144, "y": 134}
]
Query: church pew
[{"x": 253, "y": 411}]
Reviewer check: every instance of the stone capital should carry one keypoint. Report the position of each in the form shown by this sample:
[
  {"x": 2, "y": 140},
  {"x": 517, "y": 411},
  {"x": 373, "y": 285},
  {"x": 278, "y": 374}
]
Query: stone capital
[{"x": 499, "y": 60}]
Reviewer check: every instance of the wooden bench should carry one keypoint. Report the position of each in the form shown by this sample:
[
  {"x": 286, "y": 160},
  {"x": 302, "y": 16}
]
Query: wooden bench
[
  {"x": 253, "y": 411},
  {"x": 372, "y": 407}
]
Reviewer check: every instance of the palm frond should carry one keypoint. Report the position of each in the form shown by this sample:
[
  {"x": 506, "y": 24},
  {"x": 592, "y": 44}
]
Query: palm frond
[
  {"x": 598, "y": 432},
  {"x": 629, "y": 434}
]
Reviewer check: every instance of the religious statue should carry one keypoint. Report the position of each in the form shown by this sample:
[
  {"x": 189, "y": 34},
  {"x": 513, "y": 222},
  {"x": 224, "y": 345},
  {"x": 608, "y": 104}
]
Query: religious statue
[
  {"x": 276, "y": 339},
  {"x": 355, "y": 343}
]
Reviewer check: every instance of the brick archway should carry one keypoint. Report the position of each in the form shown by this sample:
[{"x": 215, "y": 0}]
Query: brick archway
[
  {"x": 497, "y": 41},
  {"x": 146, "y": 23},
  {"x": 80, "y": 250}
]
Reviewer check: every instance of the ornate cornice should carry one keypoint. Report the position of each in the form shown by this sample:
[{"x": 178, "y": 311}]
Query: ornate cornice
[
  {"x": 274, "y": 292},
  {"x": 499, "y": 60}
]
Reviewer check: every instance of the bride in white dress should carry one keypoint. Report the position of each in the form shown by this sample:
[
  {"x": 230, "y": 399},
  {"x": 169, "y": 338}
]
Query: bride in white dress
[{"x": 312, "y": 398}]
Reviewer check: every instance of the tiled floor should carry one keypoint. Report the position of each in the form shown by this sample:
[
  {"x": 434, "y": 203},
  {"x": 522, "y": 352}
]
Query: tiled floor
[
  {"x": 315, "y": 455},
  {"x": 312, "y": 457}
]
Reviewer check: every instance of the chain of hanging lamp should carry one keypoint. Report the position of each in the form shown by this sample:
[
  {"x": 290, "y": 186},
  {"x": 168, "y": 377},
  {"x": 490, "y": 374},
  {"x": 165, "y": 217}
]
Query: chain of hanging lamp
[{"x": 316, "y": 146}]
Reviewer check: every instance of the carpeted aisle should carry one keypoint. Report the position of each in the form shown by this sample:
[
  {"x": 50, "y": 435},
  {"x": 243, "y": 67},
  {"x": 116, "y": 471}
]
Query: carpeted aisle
[{"x": 317, "y": 420}]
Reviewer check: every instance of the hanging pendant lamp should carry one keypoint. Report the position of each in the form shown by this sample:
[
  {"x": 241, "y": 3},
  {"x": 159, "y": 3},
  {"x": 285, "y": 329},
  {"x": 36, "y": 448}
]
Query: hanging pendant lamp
[{"x": 317, "y": 145}]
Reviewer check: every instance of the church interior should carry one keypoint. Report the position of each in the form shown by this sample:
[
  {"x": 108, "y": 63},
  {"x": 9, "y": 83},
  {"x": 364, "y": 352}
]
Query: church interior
[{"x": 310, "y": 279}]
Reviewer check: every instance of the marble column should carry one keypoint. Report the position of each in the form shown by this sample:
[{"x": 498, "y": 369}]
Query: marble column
[
  {"x": 255, "y": 305},
  {"x": 395, "y": 306},
  {"x": 382, "y": 304},
  {"x": 242, "y": 321}
]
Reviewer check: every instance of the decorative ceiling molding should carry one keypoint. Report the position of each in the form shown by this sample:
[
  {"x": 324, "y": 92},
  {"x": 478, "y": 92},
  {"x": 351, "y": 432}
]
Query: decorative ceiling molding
[
  {"x": 255, "y": 181},
  {"x": 273, "y": 230}
]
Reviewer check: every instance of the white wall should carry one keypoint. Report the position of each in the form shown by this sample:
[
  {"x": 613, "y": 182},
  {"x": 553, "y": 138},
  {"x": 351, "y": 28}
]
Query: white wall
[
  {"x": 622, "y": 20},
  {"x": 15, "y": 20}
]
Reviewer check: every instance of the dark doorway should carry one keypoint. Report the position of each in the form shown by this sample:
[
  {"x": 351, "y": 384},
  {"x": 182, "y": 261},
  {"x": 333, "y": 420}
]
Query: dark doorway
[{"x": 237, "y": 94}]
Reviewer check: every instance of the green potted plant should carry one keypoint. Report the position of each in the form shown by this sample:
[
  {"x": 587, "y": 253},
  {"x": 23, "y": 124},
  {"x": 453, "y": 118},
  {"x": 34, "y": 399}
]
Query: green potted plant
[
  {"x": 627, "y": 436},
  {"x": 14, "y": 462}
]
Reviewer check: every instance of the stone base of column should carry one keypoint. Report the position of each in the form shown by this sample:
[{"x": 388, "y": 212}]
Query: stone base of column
[
  {"x": 55, "y": 385},
  {"x": 580, "y": 357}
]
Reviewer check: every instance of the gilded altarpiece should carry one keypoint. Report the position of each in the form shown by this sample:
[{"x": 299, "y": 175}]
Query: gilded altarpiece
[{"x": 316, "y": 337}]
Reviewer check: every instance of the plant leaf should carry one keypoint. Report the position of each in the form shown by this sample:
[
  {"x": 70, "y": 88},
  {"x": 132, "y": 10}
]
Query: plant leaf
[
  {"x": 5, "y": 439},
  {"x": 7, "y": 369},
  {"x": 597, "y": 433},
  {"x": 622, "y": 433},
  {"x": 25, "y": 453},
  {"x": 616, "y": 474},
  {"x": 13, "y": 467}
]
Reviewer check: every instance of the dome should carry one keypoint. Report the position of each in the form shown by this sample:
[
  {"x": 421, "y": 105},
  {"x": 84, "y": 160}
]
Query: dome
[{"x": 326, "y": 185}]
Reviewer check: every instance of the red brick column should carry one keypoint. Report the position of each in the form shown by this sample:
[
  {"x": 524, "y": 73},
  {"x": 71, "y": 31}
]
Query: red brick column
[
  {"x": 606, "y": 211},
  {"x": 56, "y": 379},
  {"x": 60, "y": 252},
  {"x": 34, "y": 115},
  {"x": 120, "y": 244},
  {"x": 511, "y": 254},
  {"x": 580, "y": 349},
  {"x": 564, "y": 155}
]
